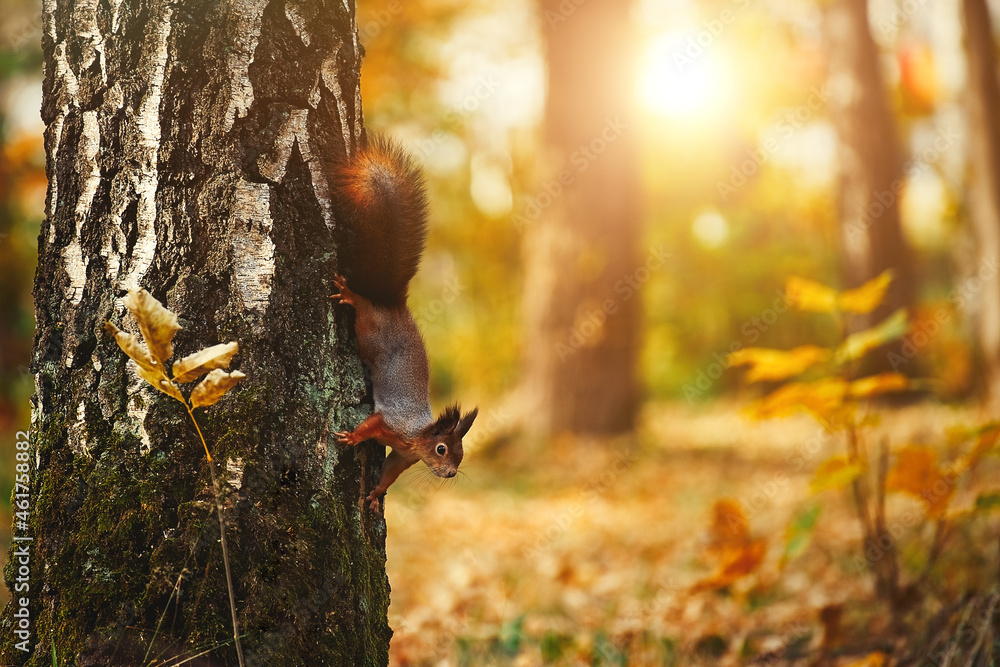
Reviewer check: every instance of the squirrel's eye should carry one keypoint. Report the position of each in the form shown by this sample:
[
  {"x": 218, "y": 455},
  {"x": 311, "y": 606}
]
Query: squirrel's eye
[{"x": 441, "y": 449}]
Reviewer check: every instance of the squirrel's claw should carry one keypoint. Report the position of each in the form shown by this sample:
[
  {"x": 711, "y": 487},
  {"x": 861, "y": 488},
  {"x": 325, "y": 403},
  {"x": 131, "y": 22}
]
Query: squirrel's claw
[
  {"x": 346, "y": 438},
  {"x": 373, "y": 499},
  {"x": 343, "y": 295}
]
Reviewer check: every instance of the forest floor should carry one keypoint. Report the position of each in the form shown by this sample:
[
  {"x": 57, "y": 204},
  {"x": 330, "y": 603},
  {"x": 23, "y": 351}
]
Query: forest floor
[{"x": 591, "y": 552}]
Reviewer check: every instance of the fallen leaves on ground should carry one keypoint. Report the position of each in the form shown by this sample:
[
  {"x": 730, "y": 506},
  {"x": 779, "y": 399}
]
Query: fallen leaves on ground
[{"x": 591, "y": 552}]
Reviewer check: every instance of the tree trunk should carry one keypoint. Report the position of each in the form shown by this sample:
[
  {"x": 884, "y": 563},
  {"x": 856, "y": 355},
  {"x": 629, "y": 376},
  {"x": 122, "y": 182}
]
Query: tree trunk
[
  {"x": 871, "y": 164},
  {"x": 583, "y": 271},
  {"x": 983, "y": 108},
  {"x": 184, "y": 143}
]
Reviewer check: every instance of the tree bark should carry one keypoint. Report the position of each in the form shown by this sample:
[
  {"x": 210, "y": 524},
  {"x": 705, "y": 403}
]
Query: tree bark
[
  {"x": 184, "y": 147},
  {"x": 983, "y": 112},
  {"x": 871, "y": 163},
  {"x": 583, "y": 271}
]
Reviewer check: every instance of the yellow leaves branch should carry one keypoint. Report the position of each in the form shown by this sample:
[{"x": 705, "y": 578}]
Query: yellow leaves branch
[
  {"x": 808, "y": 295},
  {"x": 158, "y": 326}
]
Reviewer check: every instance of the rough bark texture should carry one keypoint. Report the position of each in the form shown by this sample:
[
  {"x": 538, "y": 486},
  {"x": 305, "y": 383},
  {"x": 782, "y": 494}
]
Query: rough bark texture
[
  {"x": 184, "y": 142},
  {"x": 871, "y": 163},
  {"x": 983, "y": 107},
  {"x": 581, "y": 311}
]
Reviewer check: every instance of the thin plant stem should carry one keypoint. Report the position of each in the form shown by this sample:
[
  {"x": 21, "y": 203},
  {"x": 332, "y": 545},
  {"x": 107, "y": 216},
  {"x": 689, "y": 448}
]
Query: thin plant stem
[
  {"x": 222, "y": 532},
  {"x": 174, "y": 592}
]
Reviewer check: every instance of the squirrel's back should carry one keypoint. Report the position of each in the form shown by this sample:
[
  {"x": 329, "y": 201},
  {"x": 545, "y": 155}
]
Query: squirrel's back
[{"x": 380, "y": 204}]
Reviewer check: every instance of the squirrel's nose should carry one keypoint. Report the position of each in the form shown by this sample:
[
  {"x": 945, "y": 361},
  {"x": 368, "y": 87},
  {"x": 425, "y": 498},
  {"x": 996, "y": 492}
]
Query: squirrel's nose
[{"x": 451, "y": 473}]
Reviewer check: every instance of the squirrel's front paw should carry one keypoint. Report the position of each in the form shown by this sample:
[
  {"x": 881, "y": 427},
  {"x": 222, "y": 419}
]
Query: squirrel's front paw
[
  {"x": 373, "y": 499},
  {"x": 347, "y": 438},
  {"x": 343, "y": 295}
]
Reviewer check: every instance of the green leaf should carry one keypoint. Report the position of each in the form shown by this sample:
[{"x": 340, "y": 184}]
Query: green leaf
[
  {"x": 800, "y": 530},
  {"x": 861, "y": 343},
  {"x": 834, "y": 473},
  {"x": 988, "y": 501}
]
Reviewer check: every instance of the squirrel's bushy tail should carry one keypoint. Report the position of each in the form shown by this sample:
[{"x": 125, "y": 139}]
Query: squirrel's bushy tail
[{"x": 381, "y": 206}]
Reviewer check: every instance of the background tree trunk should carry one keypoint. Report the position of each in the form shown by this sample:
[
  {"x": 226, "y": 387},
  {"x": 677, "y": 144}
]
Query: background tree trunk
[
  {"x": 184, "y": 143},
  {"x": 871, "y": 163},
  {"x": 581, "y": 300},
  {"x": 983, "y": 107}
]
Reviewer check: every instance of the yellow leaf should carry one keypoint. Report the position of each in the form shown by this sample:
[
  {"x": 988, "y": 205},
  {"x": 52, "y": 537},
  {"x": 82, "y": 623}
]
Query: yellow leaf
[
  {"x": 917, "y": 472},
  {"x": 193, "y": 366},
  {"x": 834, "y": 473},
  {"x": 823, "y": 398},
  {"x": 161, "y": 382},
  {"x": 809, "y": 295},
  {"x": 883, "y": 383},
  {"x": 132, "y": 347},
  {"x": 214, "y": 386},
  {"x": 766, "y": 364},
  {"x": 866, "y": 298},
  {"x": 157, "y": 324},
  {"x": 861, "y": 343}
]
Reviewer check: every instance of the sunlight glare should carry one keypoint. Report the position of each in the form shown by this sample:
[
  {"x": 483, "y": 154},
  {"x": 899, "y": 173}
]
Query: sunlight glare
[
  {"x": 710, "y": 229},
  {"x": 680, "y": 77}
]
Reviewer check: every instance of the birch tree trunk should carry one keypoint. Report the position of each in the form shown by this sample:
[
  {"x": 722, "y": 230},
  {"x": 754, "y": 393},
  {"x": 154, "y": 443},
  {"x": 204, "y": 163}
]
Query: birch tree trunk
[
  {"x": 983, "y": 109},
  {"x": 185, "y": 145},
  {"x": 583, "y": 268}
]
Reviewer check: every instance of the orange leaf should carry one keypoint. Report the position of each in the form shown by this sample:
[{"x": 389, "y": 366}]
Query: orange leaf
[
  {"x": 731, "y": 545},
  {"x": 729, "y": 524},
  {"x": 876, "y": 659},
  {"x": 917, "y": 472},
  {"x": 766, "y": 364},
  {"x": 866, "y": 298}
]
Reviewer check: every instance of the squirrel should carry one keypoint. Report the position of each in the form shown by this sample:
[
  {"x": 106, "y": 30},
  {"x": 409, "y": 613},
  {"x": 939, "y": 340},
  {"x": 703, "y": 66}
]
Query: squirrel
[{"x": 378, "y": 195}]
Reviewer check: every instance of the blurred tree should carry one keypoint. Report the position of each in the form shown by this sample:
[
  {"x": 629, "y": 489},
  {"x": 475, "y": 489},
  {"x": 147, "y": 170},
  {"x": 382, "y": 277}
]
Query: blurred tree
[
  {"x": 983, "y": 109},
  {"x": 582, "y": 268},
  {"x": 871, "y": 162},
  {"x": 22, "y": 181},
  {"x": 181, "y": 142}
]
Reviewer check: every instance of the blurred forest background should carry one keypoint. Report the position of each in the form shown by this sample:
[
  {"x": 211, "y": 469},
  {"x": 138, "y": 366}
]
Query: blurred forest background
[{"x": 620, "y": 192}]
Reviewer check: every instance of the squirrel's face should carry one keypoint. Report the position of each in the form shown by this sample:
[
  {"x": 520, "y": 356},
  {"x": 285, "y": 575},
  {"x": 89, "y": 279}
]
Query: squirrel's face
[
  {"x": 444, "y": 457},
  {"x": 442, "y": 441}
]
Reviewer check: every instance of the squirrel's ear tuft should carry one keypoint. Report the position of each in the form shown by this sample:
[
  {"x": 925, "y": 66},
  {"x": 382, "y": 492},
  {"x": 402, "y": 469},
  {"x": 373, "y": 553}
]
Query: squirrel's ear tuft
[
  {"x": 446, "y": 423},
  {"x": 466, "y": 422}
]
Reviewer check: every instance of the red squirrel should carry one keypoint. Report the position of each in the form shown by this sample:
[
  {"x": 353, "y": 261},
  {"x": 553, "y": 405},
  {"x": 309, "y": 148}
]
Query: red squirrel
[{"x": 379, "y": 198}]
